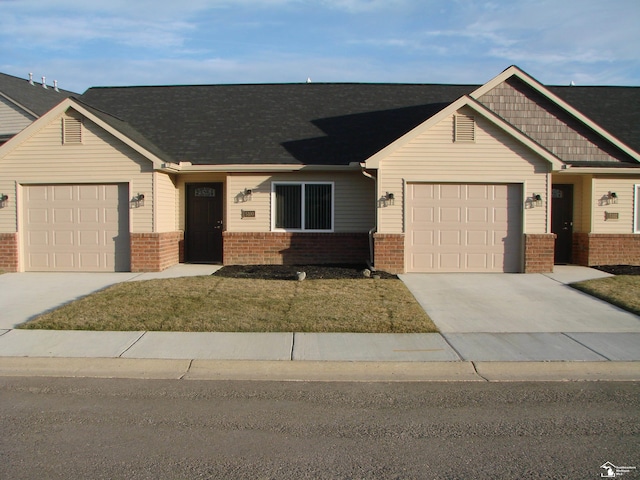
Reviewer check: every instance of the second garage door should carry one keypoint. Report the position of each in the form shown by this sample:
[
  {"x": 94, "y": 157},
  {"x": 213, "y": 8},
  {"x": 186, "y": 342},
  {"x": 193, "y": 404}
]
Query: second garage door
[
  {"x": 76, "y": 228},
  {"x": 464, "y": 228}
]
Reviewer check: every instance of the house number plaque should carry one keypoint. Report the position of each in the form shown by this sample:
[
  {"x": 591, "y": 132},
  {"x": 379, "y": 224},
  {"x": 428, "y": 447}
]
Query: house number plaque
[{"x": 248, "y": 213}]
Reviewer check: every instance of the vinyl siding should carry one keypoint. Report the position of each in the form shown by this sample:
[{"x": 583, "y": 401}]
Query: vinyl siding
[
  {"x": 353, "y": 200},
  {"x": 494, "y": 157},
  {"x": 165, "y": 206},
  {"x": 624, "y": 188},
  {"x": 101, "y": 158},
  {"x": 12, "y": 118}
]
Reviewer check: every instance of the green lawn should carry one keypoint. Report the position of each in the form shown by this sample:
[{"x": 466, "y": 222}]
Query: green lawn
[
  {"x": 210, "y": 303},
  {"x": 621, "y": 290}
]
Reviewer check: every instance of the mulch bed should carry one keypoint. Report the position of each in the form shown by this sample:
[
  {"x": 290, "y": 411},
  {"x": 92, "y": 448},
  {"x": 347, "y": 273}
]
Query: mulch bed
[
  {"x": 290, "y": 272},
  {"x": 620, "y": 269}
]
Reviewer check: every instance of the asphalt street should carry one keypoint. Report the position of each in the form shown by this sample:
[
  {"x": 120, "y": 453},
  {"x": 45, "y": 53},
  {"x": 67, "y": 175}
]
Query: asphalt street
[{"x": 59, "y": 428}]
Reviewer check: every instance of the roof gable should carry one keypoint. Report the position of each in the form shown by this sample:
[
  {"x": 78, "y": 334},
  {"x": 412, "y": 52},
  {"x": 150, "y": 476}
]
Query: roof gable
[
  {"x": 103, "y": 120},
  {"x": 465, "y": 101},
  {"x": 558, "y": 125}
]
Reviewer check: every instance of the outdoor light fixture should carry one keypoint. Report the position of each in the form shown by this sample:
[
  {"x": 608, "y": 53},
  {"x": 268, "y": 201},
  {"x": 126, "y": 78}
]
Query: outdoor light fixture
[
  {"x": 137, "y": 201},
  {"x": 608, "y": 199},
  {"x": 3, "y": 200},
  {"x": 386, "y": 200},
  {"x": 535, "y": 200},
  {"x": 246, "y": 195}
]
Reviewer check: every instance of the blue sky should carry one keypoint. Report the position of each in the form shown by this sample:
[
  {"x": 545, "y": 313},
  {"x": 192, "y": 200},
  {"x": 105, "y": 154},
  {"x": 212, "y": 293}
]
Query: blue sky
[{"x": 84, "y": 43}]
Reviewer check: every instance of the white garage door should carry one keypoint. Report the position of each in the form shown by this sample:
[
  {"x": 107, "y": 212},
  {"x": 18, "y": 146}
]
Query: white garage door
[
  {"x": 76, "y": 228},
  {"x": 464, "y": 228}
]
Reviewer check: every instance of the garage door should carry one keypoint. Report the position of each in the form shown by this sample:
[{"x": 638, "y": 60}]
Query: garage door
[
  {"x": 464, "y": 228},
  {"x": 76, "y": 228}
]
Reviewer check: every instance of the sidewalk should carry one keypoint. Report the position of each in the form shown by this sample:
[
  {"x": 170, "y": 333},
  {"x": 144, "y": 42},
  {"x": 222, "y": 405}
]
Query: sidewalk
[{"x": 322, "y": 356}]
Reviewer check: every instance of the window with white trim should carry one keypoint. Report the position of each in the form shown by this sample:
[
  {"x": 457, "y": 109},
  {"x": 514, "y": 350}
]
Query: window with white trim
[
  {"x": 636, "y": 208},
  {"x": 302, "y": 206}
]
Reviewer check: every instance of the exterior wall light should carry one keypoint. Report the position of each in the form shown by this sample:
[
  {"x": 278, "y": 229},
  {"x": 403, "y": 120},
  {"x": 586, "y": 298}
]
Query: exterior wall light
[
  {"x": 137, "y": 201},
  {"x": 386, "y": 200},
  {"x": 535, "y": 200},
  {"x": 246, "y": 195},
  {"x": 608, "y": 198},
  {"x": 3, "y": 200}
]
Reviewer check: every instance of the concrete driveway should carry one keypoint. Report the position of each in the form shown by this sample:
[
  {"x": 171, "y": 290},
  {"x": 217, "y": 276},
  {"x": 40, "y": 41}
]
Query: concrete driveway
[
  {"x": 517, "y": 303},
  {"x": 25, "y": 295}
]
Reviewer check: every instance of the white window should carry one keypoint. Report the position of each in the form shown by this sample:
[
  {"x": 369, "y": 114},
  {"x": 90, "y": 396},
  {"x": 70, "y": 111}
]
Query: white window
[
  {"x": 302, "y": 206},
  {"x": 636, "y": 209}
]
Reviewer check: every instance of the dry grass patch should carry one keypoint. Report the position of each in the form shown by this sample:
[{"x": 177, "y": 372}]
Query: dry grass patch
[
  {"x": 207, "y": 304},
  {"x": 622, "y": 291}
]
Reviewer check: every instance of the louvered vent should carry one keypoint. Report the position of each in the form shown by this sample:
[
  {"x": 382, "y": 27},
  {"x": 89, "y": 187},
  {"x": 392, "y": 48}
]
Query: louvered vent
[
  {"x": 71, "y": 131},
  {"x": 464, "y": 128}
]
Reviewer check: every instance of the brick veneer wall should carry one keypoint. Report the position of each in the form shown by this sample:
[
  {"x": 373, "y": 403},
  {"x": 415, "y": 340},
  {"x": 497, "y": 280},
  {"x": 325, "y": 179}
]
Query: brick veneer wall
[
  {"x": 9, "y": 252},
  {"x": 286, "y": 248},
  {"x": 591, "y": 249},
  {"x": 389, "y": 252},
  {"x": 539, "y": 252},
  {"x": 154, "y": 252}
]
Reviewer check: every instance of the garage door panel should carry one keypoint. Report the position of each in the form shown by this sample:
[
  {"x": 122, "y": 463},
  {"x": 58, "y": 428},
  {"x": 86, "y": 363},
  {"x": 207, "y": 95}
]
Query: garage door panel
[
  {"x": 77, "y": 228},
  {"x": 477, "y": 228},
  {"x": 60, "y": 193}
]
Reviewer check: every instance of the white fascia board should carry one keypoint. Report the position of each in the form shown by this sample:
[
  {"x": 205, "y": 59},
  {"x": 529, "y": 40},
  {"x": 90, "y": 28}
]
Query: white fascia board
[
  {"x": 533, "y": 83},
  {"x": 601, "y": 170},
  {"x": 373, "y": 162}
]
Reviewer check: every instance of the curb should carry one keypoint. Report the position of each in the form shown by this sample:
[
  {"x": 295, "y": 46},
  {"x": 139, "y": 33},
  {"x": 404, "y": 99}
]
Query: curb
[{"x": 319, "y": 371}]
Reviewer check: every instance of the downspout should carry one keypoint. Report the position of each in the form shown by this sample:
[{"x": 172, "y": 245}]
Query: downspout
[{"x": 372, "y": 231}]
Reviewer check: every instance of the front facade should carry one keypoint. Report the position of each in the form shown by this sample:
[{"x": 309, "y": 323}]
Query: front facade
[{"x": 504, "y": 177}]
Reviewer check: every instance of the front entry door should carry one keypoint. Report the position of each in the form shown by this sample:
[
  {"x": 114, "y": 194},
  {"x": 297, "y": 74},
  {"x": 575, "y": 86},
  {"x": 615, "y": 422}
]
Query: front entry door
[
  {"x": 203, "y": 235},
  {"x": 562, "y": 221}
]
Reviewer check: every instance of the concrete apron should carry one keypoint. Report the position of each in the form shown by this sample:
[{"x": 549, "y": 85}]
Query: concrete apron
[{"x": 517, "y": 303}]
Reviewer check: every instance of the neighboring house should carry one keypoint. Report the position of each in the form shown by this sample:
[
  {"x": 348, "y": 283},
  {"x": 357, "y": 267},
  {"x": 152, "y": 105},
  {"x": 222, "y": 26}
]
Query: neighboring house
[
  {"x": 510, "y": 176},
  {"x": 22, "y": 101}
]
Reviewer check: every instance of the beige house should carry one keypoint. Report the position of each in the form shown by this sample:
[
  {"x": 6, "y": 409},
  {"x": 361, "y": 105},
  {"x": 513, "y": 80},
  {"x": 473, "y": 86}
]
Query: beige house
[{"x": 510, "y": 176}]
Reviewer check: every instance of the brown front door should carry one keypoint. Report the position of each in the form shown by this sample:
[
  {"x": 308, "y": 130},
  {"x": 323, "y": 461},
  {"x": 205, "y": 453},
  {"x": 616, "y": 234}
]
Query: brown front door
[
  {"x": 203, "y": 236},
  {"x": 562, "y": 221}
]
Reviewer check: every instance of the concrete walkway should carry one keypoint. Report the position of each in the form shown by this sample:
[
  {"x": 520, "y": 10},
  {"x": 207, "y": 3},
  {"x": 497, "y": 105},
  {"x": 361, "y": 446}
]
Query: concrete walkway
[{"x": 494, "y": 345}]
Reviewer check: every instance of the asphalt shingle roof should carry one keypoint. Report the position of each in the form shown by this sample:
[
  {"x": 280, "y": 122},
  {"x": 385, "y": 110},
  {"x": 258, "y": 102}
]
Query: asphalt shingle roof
[
  {"x": 321, "y": 124},
  {"x": 33, "y": 97}
]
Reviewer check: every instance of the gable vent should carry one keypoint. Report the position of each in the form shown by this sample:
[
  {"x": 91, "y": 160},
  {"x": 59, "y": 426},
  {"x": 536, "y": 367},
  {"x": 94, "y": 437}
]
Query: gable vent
[
  {"x": 71, "y": 131},
  {"x": 464, "y": 128}
]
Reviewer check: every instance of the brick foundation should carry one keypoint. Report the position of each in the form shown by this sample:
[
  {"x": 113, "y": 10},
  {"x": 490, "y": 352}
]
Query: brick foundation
[
  {"x": 9, "y": 252},
  {"x": 539, "y": 253},
  {"x": 389, "y": 252},
  {"x": 154, "y": 252},
  {"x": 276, "y": 248},
  {"x": 590, "y": 249}
]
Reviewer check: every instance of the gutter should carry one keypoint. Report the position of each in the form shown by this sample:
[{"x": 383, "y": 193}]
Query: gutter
[{"x": 188, "y": 167}]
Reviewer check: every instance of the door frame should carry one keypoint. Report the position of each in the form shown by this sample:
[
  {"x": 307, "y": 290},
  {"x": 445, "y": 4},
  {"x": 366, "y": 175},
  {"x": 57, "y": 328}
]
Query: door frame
[
  {"x": 218, "y": 253},
  {"x": 563, "y": 245}
]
